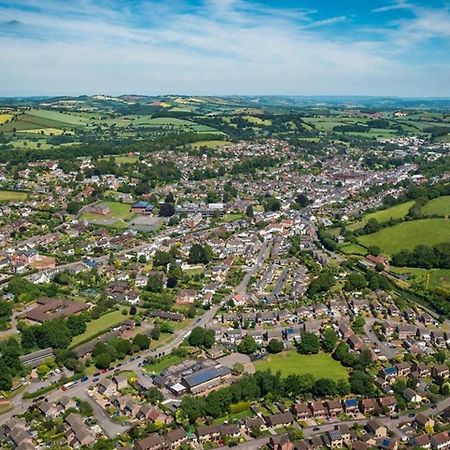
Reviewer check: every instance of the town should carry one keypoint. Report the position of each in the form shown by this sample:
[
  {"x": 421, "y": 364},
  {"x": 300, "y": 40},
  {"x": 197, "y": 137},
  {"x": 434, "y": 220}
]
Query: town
[{"x": 271, "y": 292}]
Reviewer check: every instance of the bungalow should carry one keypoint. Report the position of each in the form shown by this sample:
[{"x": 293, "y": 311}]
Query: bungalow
[
  {"x": 406, "y": 330},
  {"x": 388, "y": 402},
  {"x": 66, "y": 402},
  {"x": 280, "y": 443}
]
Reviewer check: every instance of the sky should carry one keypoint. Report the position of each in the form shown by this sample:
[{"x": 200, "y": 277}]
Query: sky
[{"x": 225, "y": 47}]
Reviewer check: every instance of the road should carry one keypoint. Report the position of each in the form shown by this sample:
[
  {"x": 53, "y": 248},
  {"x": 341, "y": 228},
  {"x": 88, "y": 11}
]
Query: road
[
  {"x": 242, "y": 287},
  {"x": 383, "y": 346}
]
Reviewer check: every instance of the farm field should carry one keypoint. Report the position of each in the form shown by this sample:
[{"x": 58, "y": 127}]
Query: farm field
[
  {"x": 13, "y": 196},
  {"x": 5, "y": 117},
  {"x": 209, "y": 144},
  {"x": 394, "y": 212},
  {"x": 430, "y": 279},
  {"x": 438, "y": 206},
  {"x": 44, "y": 131},
  {"x": 119, "y": 214},
  {"x": 67, "y": 118},
  {"x": 408, "y": 235},
  {"x": 320, "y": 366},
  {"x": 95, "y": 327}
]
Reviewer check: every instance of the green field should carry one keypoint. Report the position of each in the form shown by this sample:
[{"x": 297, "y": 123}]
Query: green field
[
  {"x": 102, "y": 324},
  {"x": 161, "y": 364},
  {"x": 232, "y": 217},
  {"x": 408, "y": 235},
  {"x": 394, "y": 212},
  {"x": 321, "y": 365},
  {"x": 118, "y": 214},
  {"x": 209, "y": 144},
  {"x": 13, "y": 196},
  {"x": 430, "y": 279},
  {"x": 438, "y": 206},
  {"x": 353, "y": 249}
]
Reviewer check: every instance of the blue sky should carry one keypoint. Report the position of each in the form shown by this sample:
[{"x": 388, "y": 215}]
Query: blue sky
[{"x": 218, "y": 47}]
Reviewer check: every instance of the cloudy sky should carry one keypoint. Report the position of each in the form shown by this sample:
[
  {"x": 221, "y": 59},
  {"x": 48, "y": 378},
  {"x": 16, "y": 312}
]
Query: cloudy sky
[{"x": 217, "y": 47}]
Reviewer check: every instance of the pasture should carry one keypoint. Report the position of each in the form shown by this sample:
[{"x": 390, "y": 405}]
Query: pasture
[
  {"x": 13, "y": 196},
  {"x": 439, "y": 206},
  {"x": 290, "y": 362},
  {"x": 408, "y": 235},
  {"x": 394, "y": 212}
]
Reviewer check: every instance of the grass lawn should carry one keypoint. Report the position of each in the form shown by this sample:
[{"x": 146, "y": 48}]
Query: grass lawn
[
  {"x": 103, "y": 323},
  {"x": 438, "y": 206},
  {"x": 353, "y": 249},
  {"x": 233, "y": 417},
  {"x": 394, "y": 212},
  {"x": 118, "y": 214},
  {"x": 13, "y": 196},
  {"x": 408, "y": 235},
  {"x": 233, "y": 217},
  {"x": 321, "y": 365},
  {"x": 123, "y": 159},
  {"x": 162, "y": 364}
]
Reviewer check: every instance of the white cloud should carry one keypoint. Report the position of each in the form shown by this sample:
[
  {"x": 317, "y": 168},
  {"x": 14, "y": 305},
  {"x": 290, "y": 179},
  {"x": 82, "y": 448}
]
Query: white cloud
[{"x": 224, "y": 48}]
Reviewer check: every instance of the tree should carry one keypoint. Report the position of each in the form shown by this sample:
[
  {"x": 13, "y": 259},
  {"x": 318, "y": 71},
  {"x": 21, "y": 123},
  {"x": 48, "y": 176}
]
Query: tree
[
  {"x": 5, "y": 311},
  {"x": 102, "y": 361},
  {"x": 142, "y": 341},
  {"x": 343, "y": 387},
  {"x": 361, "y": 383},
  {"x": 358, "y": 324},
  {"x": 155, "y": 283},
  {"x": 154, "y": 395},
  {"x": 309, "y": 344},
  {"x": 5, "y": 377},
  {"x": 275, "y": 346},
  {"x": 302, "y": 200},
  {"x": 76, "y": 325},
  {"x": 323, "y": 283},
  {"x": 355, "y": 281},
  {"x": 249, "y": 212},
  {"x": 156, "y": 332},
  {"x": 247, "y": 345},
  {"x": 325, "y": 387},
  {"x": 200, "y": 254},
  {"x": 238, "y": 368},
  {"x": 329, "y": 340},
  {"x": 201, "y": 337}
]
